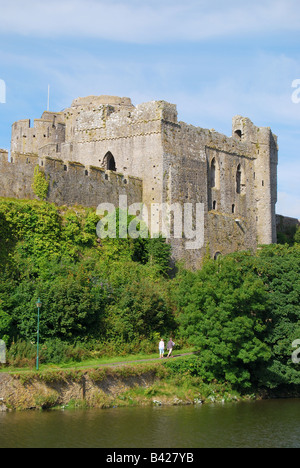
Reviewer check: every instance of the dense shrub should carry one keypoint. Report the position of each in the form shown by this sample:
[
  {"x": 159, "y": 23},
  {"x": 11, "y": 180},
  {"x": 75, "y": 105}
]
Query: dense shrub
[{"x": 243, "y": 313}]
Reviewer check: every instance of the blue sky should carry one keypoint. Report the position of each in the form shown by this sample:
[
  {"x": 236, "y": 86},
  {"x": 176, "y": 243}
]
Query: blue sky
[{"x": 214, "y": 59}]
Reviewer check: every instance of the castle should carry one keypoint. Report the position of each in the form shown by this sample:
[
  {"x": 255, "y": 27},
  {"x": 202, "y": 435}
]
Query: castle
[{"x": 103, "y": 148}]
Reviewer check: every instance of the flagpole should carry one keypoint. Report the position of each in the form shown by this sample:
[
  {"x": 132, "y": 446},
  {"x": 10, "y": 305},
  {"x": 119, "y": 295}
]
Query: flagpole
[{"x": 48, "y": 98}]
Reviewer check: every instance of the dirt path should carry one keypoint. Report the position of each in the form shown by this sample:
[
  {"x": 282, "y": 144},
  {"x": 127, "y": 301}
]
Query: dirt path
[
  {"x": 143, "y": 360},
  {"x": 112, "y": 364}
]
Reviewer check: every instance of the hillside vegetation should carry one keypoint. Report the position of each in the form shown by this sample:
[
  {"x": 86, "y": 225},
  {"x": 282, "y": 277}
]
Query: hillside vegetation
[{"x": 115, "y": 296}]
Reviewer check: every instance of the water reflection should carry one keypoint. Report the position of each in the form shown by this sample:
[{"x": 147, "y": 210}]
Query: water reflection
[{"x": 274, "y": 423}]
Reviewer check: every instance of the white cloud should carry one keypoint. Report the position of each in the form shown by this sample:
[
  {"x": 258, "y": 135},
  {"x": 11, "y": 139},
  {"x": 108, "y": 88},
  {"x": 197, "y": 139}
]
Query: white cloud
[{"x": 148, "y": 21}]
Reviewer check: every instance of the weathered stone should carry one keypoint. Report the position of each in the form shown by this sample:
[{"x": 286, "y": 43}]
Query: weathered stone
[{"x": 156, "y": 159}]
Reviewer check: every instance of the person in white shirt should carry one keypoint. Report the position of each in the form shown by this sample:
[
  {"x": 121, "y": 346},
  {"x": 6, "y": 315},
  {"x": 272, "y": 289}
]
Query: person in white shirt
[{"x": 161, "y": 347}]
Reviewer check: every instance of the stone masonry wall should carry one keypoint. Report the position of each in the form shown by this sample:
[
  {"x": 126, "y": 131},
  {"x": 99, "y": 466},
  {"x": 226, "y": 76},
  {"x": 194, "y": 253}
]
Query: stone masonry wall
[
  {"x": 157, "y": 160},
  {"x": 70, "y": 183},
  {"x": 229, "y": 217}
]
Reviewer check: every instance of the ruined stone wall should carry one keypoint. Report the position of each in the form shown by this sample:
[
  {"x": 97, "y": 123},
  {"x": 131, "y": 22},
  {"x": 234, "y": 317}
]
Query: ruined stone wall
[
  {"x": 229, "y": 217},
  {"x": 70, "y": 183},
  {"x": 48, "y": 131},
  {"x": 17, "y": 175},
  {"x": 264, "y": 180},
  {"x": 157, "y": 160}
]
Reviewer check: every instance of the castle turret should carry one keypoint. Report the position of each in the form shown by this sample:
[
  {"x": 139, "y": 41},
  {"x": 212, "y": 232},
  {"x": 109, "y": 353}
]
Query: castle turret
[
  {"x": 48, "y": 131},
  {"x": 265, "y": 154}
]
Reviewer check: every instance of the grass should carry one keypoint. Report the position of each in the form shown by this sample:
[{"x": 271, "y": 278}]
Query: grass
[{"x": 96, "y": 362}]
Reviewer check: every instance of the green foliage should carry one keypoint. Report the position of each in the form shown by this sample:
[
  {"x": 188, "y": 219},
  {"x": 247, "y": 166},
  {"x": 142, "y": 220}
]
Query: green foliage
[
  {"x": 224, "y": 313},
  {"x": 140, "y": 312},
  {"x": 46, "y": 401},
  {"x": 297, "y": 236},
  {"x": 5, "y": 321},
  {"x": 189, "y": 365},
  {"x": 90, "y": 288},
  {"x": 279, "y": 268},
  {"x": 288, "y": 234},
  {"x": 120, "y": 243},
  {"x": 40, "y": 184},
  {"x": 57, "y": 351},
  {"x": 241, "y": 312},
  {"x": 158, "y": 253},
  {"x": 21, "y": 354}
]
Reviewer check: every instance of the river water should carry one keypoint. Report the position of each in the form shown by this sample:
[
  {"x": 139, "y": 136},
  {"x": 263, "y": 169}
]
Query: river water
[{"x": 265, "y": 424}]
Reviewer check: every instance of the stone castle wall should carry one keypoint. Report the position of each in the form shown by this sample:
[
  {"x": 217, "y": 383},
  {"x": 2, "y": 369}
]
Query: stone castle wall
[
  {"x": 234, "y": 219},
  {"x": 157, "y": 159},
  {"x": 70, "y": 183}
]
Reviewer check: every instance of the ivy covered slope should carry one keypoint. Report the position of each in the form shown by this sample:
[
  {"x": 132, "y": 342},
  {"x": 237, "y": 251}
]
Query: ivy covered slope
[{"x": 242, "y": 312}]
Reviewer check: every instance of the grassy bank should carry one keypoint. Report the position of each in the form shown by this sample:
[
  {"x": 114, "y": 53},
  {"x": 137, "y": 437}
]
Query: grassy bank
[
  {"x": 135, "y": 383},
  {"x": 91, "y": 362}
]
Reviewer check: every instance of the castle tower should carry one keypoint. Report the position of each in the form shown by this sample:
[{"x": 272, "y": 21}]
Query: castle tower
[
  {"x": 265, "y": 154},
  {"x": 45, "y": 136}
]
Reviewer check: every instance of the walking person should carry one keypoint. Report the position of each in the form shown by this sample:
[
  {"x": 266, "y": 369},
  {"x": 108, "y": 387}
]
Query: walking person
[
  {"x": 170, "y": 347},
  {"x": 161, "y": 348}
]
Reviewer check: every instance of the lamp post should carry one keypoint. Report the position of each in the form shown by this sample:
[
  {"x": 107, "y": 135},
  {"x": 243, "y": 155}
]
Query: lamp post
[{"x": 39, "y": 305}]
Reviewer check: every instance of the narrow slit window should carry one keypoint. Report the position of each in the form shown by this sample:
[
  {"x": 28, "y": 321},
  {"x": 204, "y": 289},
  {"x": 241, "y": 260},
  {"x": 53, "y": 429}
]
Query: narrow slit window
[
  {"x": 213, "y": 173},
  {"x": 238, "y": 179}
]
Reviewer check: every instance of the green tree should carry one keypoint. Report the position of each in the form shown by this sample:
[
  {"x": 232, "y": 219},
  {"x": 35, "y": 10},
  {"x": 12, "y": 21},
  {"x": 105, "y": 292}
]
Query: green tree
[
  {"x": 139, "y": 311},
  {"x": 73, "y": 305},
  {"x": 224, "y": 311},
  {"x": 5, "y": 322},
  {"x": 142, "y": 249},
  {"x": 279, "y": 268},
  {"x": 297, "y": 236}
]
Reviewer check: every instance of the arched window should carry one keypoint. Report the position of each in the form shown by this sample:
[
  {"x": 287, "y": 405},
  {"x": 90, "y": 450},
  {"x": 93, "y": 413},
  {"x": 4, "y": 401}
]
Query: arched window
[
  {"x": 109, "y": 162},
  {"x": 238, "y": 179},
  {"x": 214, "y": 174},
  {"x": 238, "y": 133},
  {"x": 217, "y": 255}
]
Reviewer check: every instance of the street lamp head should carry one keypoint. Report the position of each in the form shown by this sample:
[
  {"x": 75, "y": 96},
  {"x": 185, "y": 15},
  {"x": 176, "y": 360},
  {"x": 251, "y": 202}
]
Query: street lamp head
[{"x": 39, "y": 304}]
